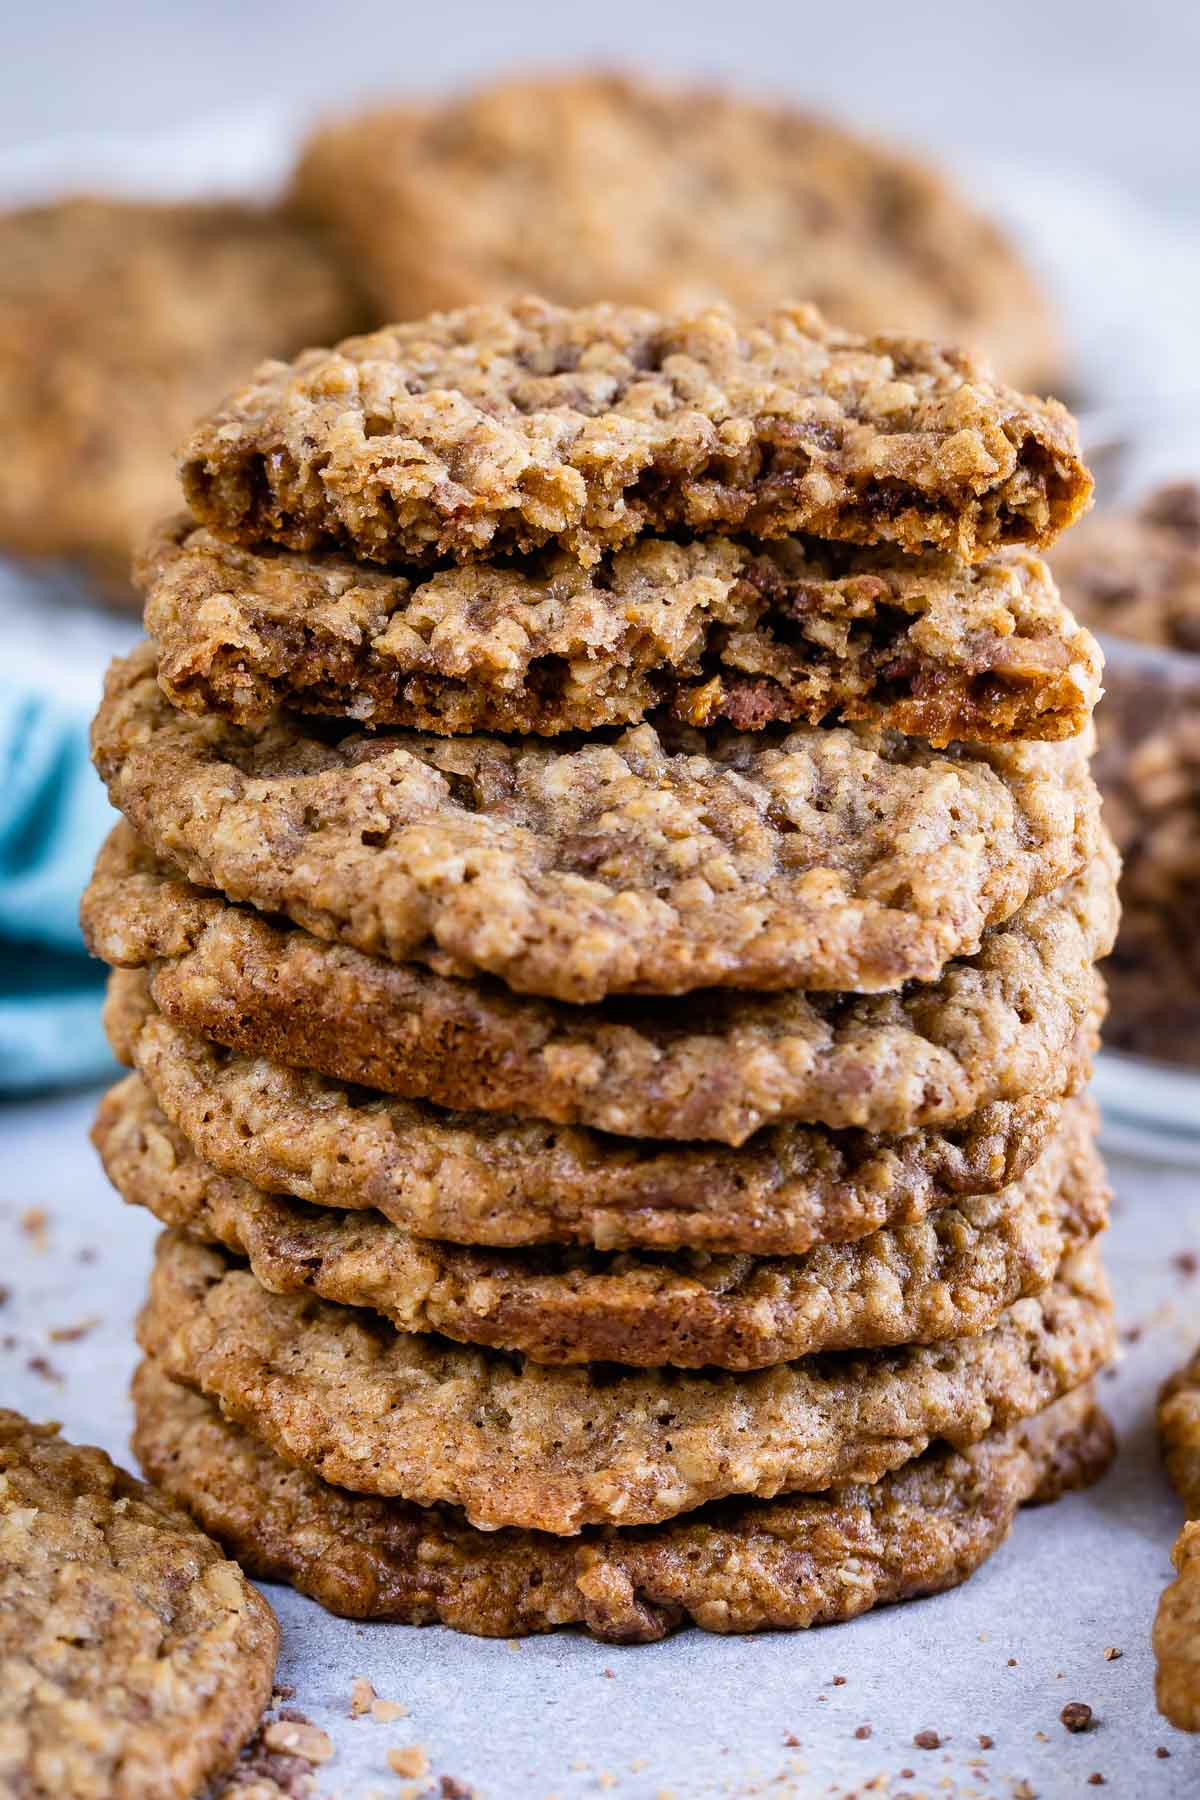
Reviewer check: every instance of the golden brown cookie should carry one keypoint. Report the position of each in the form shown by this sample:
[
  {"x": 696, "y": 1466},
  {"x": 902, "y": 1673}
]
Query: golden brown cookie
[
  {"x": 134, "y": 1660},
  {"x": 714, "y": 629},
  {"x": 1176, "y": 1636},
  {"x": 482, "y": 1178},
  {"x": 951, "y": 1277},
  {"x": 823, "y": 859},
  {"x": 339, "y": 1392},
  {"x": 734, "y": 1566},
  {"x": 609, "y": 186},
  {"x": 1001, "y": 1026},
  {"x": 120, "y": 322},
  {"x": 494, "y": 430}
]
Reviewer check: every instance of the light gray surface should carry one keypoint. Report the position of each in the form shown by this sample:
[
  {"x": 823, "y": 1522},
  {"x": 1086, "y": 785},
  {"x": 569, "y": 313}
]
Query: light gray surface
[
  {"x": 1090, "y": 84},
  {"x": 701, "y": 1715}
]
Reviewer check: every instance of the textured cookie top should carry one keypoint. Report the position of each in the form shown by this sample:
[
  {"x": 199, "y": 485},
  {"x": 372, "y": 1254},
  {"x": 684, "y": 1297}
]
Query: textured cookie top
[
  {"x": 655, "y": 864},
  {"x": 120, "y": 322},
  {"x": 1011, "y": 1022},
  {"x": 1177, "y": 1625},
  {"x": 950, "y": 1276},
  {"x": 134, "y": 1660},
  {"x": 491, "y": 430},
  {"x": 1138, "y": 574},
  {"x": 338, "y": 1391},
  {"x": 586, "y": 187},
  {"x": 482, "y": 1178},
  {"x": 733, "y": 1566},
  {"x": 713, "y": 629}
]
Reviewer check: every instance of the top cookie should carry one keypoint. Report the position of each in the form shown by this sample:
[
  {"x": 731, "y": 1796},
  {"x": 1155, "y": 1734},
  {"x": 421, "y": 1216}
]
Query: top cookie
[
  {"x": 120, "y": 321},
  {"x": 134, "y": 1660},
  {"x": 1138, "y": 573},
  {"x": 602, "y": 186},
  {"x": 485, "y": 431}
]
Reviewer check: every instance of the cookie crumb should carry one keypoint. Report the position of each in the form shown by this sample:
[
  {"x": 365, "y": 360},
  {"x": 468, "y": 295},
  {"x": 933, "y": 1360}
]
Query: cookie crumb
[
  {"x": 839, "y": 1681},
  {"x": 1076, "y": 1715},
  {"x": 927, "y": 1740},
  {"x": 41, "y": 1365},
  {"x": 985, "y": 1742},
  {"x": 1112, "y": 1653},
  {"x": 791, "y": 1741},
  {"x": 1096, "y": 1779},
  {"x": 453, "y": 1789},
  {"x": 296, "y": 1737},
  {"x": 35, "y": 1223},
  {"x": 71, "y": 1334},
  {"x": 1187, "y": 1262},
  {"x": 864, "y": 1731},
  {"x": 361, "y": 1695},
  {"x": 409, "y": 1760}
]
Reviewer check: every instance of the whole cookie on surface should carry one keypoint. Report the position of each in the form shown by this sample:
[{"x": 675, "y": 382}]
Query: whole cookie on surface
[
  {"x": 339, "y": 1392},
  {"x": 482, "y": 1178},
  {"x": 134, "y": 1660},
  {"x": 494, "y": 430},
  {"x": 120, "y": 322},
  {"x": 1012, "y": 1022},
  {"x": 735, "y": 1566},
  {"x": 952, "y": 1276},
  {"x": 823, "y": 859},
  {"x": 714, "y": 629},
  {"x": 609, "y": 186}
]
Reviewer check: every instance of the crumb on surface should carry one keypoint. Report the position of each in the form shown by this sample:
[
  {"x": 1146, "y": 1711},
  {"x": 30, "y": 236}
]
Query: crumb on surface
[
  {"x": 1112, "y": 1653},
  {"x": 1076, "y": 1715},
  {"x": 296, "y": 1737},
  {"x": 408, "y": 1759}
]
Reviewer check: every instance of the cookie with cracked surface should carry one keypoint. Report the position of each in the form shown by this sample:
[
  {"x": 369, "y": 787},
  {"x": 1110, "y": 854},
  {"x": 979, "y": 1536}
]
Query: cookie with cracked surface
[
  {"x": 606, "y": 185},
  {"x": 824, "y": 859},
  {"x": 1137, "y": 573},
  {"x": 120, "y": 322},
  {"x": 338, "y": 1391},
  {"x": 714, "y": 629},
  {"x": 134, "y": 1659},
  {"x": 495, "y": 430},
  {"x": 1002, "y": 1026},
  {"x": 952, "y": 1276},
  {"x": 735, "y": 1566},
  {"x": 482, "y": 1178}
]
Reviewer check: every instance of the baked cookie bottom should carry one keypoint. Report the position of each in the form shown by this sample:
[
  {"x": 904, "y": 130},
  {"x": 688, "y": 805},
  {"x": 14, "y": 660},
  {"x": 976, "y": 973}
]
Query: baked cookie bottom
[{"x": 733, "y": 1567}]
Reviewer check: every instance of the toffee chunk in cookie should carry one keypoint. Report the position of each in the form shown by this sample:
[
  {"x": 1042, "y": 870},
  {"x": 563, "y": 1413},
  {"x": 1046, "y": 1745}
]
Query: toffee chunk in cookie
[
  {"x": 734, "y": 1566},
  {"x": 338, "y": 1391},
  {"x": 484, "y": 1179},
  {"x": 952, "y": 1276},
  {"x": 490, "y": 431},
  {"x": 608, "y": 186},
  {"x": 821, "y": 859},
  {"x": 1006, "y": 1024},
  {"x": 134, "y": 1659},
  {"x": 715, "y": 629},
  {"x": 120, "y": 322}
]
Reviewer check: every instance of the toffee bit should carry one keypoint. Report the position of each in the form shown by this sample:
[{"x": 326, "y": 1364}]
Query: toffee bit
[{"x": 1076, "y": 1715}]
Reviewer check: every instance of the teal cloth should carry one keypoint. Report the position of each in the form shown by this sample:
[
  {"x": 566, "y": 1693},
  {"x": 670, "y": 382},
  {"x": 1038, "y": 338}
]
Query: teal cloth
[{"x": 54, "y": 815}]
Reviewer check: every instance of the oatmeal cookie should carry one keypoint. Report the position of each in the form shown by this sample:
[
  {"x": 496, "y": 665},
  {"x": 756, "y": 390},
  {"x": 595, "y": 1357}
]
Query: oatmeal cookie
[
  {"x": 1002, "y": 1026},
  {"x": 338, "y": 1391},
  {"x": 120, "y": 322},
  {"x": 824, "y": 859},
  {"x": 951, "y": 1277},
  {"x": 1179, "y": 1433},
  {"x": 609, "y": 186},
  {"x": 1137, "y": 574},
  {"x": 735, "y": 1566},
  {"x": 1176, "y": 1636},
  {"x": 134, "y": 1660},
  {"x": 494, "y": 430},
  {"x": 482, "y": 1178},
  {"x": 714, "y": 629}
]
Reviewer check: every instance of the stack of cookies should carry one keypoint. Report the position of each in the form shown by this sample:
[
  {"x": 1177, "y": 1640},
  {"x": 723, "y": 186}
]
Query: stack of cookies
[{"x": 604, "y": 922}]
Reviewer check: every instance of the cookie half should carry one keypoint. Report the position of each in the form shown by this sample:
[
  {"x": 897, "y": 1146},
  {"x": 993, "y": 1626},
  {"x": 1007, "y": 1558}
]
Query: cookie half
[
  {"x": 825, "y": 859},
  {"x": 733, "y": 1566},
  {"x": 1001, "y": 1026},
  {"x": 338, "y": 1391},
  {"x": 135, "y": 1660},
  {"x": 494, "y": 430}
]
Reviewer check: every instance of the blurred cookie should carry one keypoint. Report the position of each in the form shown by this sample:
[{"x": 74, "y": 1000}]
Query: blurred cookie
[
  {"x": 1137, "y": 574},
  {"x": 134, "y": 1660},
  {"x": 607, "y": 187},
  {"x": 120, "y": 322},
  {"x": 494, "y": 430}
]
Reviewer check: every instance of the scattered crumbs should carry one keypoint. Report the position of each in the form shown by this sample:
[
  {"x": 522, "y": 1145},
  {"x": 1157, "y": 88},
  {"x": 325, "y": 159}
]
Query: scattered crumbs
[
  {"x": 864, "y": 1731},
  {"x": 985, "y": 1742},
  {"x": 453, "y": 1789},
  {"x": 1162, "y": 1752},
  {"x": 361, "y": 1696},
  {"x": 1096, "y": 1779},
  {"x": 296, "y": 1737},
  {"x": 791, "y": 1741},
  {"x": 927, "y": 1740},
  {"x": 1023, "y": 1791},
  {"x": 1041, "y": 1737},
  {"x": 40, "y": 1365},
  {"x": 839, "y": 1681},
  {"x": 386, "y": 1712},
  {"x": 71, "y": 1334},
  {"x": 907, "y": 1774},
  {"x": 1012, "y": 1662},
  {"x": 1112, "y": 1653},
  {"x": 35, "y": 1223},
  {"x": 824, "y": 1697},
  {"x": 1187, "y": 1262},
  {"x": 1076, "y": 1715},
  {"x": 410, "y": 1760}
]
